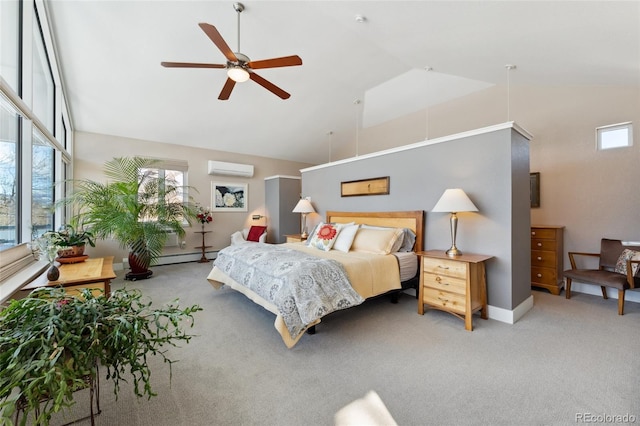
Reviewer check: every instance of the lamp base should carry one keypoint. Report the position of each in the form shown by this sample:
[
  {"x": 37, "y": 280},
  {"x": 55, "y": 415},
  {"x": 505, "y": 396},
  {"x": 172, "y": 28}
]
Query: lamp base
[
  {"x": 453, "y": 251},
  {"x": 304, "y": 235}
]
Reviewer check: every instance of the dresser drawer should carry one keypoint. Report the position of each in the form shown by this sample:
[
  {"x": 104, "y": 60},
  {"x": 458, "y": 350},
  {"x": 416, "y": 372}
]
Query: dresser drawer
[
  {"x": 544, "y": 276},
  {"x": 540, "y": 244},
  {"x": 445, "y": 283},
  {"x": 543, "y": 233},
  {"x": 450, "y": 268},
  {"x": 546, "y": 259},
  {"x": 444, "y": 299}
]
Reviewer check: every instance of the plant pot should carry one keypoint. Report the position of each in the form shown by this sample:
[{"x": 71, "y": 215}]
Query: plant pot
[
  {"x": 71, "y": 251},
  {"x": 53, "y": 273}
]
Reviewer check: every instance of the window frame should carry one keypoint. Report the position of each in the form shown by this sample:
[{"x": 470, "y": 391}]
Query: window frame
[{"x": 603, "y": 130}]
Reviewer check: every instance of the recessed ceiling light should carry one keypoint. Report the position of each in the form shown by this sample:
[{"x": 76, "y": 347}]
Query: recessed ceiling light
[{"x": 360, "y": 19}]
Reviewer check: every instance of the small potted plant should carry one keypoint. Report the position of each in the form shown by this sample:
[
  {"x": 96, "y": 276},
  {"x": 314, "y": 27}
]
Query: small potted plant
[
  {"x": 50, "y": 342},
  {"x": 72, "y": 240}
]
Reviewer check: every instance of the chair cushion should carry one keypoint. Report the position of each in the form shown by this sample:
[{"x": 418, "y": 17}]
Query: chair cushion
[
  {"x": 255, "y": 232},
  {"x": 598, "y": 277},
  {"x": 621, "y": 265}
]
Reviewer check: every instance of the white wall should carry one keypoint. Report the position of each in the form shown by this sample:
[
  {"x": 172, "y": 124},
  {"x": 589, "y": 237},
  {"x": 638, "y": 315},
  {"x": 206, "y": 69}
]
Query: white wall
[{"x": 93, "y": 150}]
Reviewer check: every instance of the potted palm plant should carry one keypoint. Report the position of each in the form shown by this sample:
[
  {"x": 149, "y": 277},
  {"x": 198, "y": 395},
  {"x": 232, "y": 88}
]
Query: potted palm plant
[
  {"x": 51, "y": 342},
  {"x": 136, "y": 206}
]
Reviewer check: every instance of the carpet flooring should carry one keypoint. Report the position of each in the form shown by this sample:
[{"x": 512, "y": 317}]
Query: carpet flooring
[{"x": 564, "y": 362}]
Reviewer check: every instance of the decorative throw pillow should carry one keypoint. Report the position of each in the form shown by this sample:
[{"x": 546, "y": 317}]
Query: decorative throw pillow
[
  {"x": 325, "y": 236},
  {"x": 345, "y": 238},
  {"x": 255, "y": 232},
  {"x": 621, "y": 264}
]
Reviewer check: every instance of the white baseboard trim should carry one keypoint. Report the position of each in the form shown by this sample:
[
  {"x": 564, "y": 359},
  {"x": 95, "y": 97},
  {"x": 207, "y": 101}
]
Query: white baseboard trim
[
  {"x": 510, "y": 317},
  {"x": 612, "y": 293}
]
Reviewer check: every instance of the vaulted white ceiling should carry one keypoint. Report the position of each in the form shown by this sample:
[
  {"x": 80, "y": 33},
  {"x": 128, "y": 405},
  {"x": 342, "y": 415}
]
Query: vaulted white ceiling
[{"x": 110, "y": 53}]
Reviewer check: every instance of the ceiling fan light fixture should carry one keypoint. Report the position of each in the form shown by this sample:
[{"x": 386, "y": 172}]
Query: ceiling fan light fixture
[{"x": 238, "y": 74}]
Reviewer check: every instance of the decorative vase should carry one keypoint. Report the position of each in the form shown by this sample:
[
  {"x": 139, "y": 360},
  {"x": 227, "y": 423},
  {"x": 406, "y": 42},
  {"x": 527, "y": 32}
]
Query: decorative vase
[
  {"x": 202, "y": 223},
  {"x": 53, "y": 273}
]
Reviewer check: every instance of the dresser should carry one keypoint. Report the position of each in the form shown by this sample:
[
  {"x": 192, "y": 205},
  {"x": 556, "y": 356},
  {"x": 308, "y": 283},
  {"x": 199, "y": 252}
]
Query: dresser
[
  {"x": 547, "y": 257},
  {"x": 453, "y": 284}
]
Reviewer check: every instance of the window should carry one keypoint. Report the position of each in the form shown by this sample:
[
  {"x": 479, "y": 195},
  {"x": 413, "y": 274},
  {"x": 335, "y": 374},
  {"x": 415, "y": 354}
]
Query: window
[
  {"x": 42, "y": 186},
  {"x": 9, "y": 193},
  {"x": 43, "y": 88},
  {"x": 36, "y": 136},
  {"x": 614, "y": 136},
  {"x": 9, "y": 42},
  {"x": 173, "y": 177}
]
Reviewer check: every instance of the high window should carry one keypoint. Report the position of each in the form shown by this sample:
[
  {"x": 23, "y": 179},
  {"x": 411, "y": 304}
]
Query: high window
[{"x": 614, "y": 136}]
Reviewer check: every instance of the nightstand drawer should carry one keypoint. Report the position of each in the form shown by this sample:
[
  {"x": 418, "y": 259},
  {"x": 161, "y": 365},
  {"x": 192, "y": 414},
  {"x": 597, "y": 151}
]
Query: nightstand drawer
[
  {"x": 544, "y": 276},
  {"x": 543, "y": 233},
  {"x": 442, "y": 282},
  {"x": 545, "y": 245},
  {"x": 543, "y": 258},
  {"x": 450, "y": 268},
  {"x": 444, "y": 299}
]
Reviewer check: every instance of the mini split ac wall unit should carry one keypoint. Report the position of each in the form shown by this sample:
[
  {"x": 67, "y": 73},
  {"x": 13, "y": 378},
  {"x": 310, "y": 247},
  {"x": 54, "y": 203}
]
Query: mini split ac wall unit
[{"x": 230, "y": 169}]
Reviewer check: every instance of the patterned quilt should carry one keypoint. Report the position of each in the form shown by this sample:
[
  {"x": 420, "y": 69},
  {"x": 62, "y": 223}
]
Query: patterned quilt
[{"x": 303, "y": 287}]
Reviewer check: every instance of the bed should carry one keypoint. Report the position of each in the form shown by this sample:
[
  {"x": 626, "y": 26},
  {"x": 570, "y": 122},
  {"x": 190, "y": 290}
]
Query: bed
[{"x": 302, "y": 282}]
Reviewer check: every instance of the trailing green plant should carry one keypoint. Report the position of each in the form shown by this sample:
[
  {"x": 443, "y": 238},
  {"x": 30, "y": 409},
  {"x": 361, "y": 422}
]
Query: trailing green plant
[
  {"x": 137, "y": 206},
  {"x": 50, "y": 341}
]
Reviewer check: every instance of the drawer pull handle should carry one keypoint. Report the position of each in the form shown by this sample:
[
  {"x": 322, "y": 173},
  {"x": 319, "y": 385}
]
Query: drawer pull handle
[
  {"x": 539, "y": 258},
  {"x": 533, "y": 232},
  {"x": 539, "y": 244},
  {"x": 438, "y": 279},
  {"x": 444, "y": 300},
  {"x": 443, "y": 267},
  {"x": 539, "y": 275}
]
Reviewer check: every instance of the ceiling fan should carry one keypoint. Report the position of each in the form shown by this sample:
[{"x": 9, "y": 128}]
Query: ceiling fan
[{"x": 239, "y": 67}]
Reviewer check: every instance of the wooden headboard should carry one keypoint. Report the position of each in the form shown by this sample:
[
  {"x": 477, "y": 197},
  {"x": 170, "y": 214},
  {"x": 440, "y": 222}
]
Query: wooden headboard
[{"x": 413, "y": 220}]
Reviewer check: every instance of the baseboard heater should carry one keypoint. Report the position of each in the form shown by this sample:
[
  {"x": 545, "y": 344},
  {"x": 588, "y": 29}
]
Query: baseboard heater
[{"x": 170, "y": 259}]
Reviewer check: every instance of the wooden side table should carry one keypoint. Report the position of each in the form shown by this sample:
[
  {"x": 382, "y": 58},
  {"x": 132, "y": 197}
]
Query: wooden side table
[
  {"x": 294, "y": 238},
  {"x": 456, "y": 285},
  {"x": 203, "y": 247},
  {"x": 95, "y": 272}
]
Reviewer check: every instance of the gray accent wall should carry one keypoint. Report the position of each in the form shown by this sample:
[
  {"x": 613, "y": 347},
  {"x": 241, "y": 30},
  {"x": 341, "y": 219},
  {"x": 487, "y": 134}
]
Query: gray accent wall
[
  {"x": 491, "y": 165},
  {"x": 282, "y": 193}
]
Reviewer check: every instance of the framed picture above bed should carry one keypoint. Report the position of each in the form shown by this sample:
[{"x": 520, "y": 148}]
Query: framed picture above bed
[{"x": 229, "y": 197}]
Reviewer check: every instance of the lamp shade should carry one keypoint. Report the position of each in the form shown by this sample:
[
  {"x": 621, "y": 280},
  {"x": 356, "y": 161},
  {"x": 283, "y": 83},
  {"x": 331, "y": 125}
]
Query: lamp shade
[
  {"x": 454, "y": 200},
  {"x": 303, "y": 206}
]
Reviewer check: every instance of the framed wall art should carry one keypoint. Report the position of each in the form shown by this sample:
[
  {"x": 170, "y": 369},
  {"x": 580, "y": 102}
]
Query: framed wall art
[
  {"x": 534, "y": 182},
  {"x": 229, "y": 197},
  {"x": 374, "y": 186}
]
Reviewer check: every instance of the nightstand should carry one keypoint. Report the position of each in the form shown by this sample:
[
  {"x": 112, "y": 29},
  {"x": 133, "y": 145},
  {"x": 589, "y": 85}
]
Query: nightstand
[
  {"x": 456, "y": 285},
  {"x": 294, "y": 238}
]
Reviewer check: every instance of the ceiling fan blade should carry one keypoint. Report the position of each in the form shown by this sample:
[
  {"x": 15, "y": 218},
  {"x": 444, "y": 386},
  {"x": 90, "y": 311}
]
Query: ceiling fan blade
[
  {"x": 217, "y": 39},
  {"x": 286, "y": 61},
  {"x": 190, "y": 65},
  {"x": 269, "y": 86},
  {"x": 226, "y": 90}
]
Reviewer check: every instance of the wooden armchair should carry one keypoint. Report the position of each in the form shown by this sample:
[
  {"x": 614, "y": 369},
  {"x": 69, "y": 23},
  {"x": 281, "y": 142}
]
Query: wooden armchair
[{"x": 610, "y": 270}]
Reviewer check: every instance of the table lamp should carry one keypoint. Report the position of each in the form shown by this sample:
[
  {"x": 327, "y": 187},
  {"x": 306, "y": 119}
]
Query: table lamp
[
  {"x": 454, "y": 201},
  {"x": 304, "y": 206}
]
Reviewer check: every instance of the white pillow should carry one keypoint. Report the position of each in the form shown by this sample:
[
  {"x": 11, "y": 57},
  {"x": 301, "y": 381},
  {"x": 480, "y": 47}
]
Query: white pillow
[
  {"x": 377, "y": 240},
  {"x": 236, "y": 238},
  {"x": 345, "y": 238}
]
